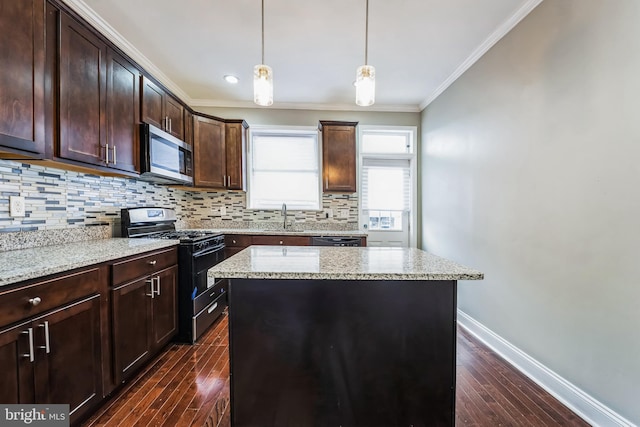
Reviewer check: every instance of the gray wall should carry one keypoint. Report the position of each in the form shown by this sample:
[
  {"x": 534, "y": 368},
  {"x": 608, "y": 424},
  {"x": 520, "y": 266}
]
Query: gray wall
[{"x": 531, "y": 174}]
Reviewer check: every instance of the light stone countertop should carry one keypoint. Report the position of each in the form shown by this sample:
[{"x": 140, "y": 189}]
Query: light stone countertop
[
  {"x": 340, "y": 263},
  {"x": 25, "y": 264},
  {"x": 282, "y": 232}
]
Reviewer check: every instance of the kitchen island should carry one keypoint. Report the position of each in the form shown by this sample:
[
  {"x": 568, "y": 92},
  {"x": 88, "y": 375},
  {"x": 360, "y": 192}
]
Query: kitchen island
[{"x": 342, "y": 336}]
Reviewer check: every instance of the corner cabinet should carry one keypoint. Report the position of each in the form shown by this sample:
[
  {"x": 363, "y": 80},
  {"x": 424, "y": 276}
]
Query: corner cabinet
[
  {"x": 22, "y": 78},
  {"x": 338, "y": 156},
  {"x": 161, "y": 109},
  {"x": 236, "y": 153},
  {"x": 219, "y": 150},
  {"x": 144, "y": 309},
  {"x": 54, "y": 353},
  {"x": 209, "y": 152}
]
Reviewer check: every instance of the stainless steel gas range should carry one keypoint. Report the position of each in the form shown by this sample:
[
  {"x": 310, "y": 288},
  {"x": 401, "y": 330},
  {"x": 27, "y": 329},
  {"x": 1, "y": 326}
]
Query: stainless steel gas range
[{"x": 200, "y": 302}]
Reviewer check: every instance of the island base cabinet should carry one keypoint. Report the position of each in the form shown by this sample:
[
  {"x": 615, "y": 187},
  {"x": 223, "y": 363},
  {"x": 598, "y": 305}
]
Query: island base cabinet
[
  {"x": 356, "y": 353},
  {"x": 42, "y": 358}
]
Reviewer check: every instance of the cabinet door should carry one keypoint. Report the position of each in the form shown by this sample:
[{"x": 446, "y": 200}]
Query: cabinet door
[
  {"x": 131, "y": 305},
  {"x": 339, "y": 157},
  {"x": 82, "y": 94},
  {"x": 174, "y": 111},
  {"x": 16, "y": 374},
  {"x": 209, "y": 153},
  {"x": 152, "y": 104},
  {"x": 68, "y": 352},
  {"x": 235, "y": 150},
  {"x": 22, "y": 75},
  {"x": 188, "y": 127},
  {"x": 123, "y": 113},
  {"x": 164, "y": 317}
]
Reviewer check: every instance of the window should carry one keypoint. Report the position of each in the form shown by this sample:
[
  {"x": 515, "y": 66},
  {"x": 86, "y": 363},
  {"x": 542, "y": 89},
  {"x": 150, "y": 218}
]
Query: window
[
  {"x": 284, "y": 167},
  {"x": 386, "y": 192}
]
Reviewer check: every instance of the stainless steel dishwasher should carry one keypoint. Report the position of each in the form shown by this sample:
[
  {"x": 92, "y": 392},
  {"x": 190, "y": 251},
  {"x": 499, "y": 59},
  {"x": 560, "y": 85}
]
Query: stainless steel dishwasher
[{"x": 336, "y": 241}]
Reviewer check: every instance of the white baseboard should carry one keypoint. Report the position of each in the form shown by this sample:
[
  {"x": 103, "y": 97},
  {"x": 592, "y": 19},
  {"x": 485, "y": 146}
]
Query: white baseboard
[{"x": 585, "y": 406}]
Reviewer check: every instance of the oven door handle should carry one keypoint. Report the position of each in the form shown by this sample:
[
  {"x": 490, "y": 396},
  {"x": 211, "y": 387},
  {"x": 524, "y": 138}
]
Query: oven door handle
[{"x": 209, "y": 250}]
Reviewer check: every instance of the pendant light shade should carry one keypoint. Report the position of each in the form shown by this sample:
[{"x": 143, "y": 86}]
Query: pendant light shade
[
  {"x": 366, "y": 74},
  {"x": 263, "y": 77},
  {"x": 366, "y": 85},
  {"x": 262, "y": 85}
]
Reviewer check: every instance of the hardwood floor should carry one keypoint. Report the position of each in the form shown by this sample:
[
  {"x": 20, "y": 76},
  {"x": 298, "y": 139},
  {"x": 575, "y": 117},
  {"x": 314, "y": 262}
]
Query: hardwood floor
[{"x": 189, "y": 386}]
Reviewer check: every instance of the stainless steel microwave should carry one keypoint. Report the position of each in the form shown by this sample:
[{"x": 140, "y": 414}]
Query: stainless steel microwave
[{"x": 164, "y": 158}]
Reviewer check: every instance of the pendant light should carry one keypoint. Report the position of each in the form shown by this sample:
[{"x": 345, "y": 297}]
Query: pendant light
[
  {"x": 262, "y": 77},
  {"x": 366, "y": 74}
]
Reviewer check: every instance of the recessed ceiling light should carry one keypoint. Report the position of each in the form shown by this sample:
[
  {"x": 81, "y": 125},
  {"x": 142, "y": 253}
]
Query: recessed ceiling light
[{"x": 231, "y": 79}]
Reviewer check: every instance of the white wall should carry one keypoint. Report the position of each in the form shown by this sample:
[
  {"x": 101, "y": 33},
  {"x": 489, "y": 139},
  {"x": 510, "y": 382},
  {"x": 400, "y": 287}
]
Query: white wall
[{"x": 531, "y": 173}]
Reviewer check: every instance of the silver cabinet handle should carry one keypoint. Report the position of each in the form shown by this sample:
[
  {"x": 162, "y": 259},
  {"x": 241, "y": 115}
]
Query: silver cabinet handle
[
  {"x": 47, "y": 345},
  {"x": 224, "y": 181},
  {"x": 158, "y": 285},
  {"x": 106, "y": 154},
  {"x": 166, "y": 123},
  {"x": 229, "y": 180},
  {"x": 114, "y": 154},
  {"x": 35, "y": 301},
  {"x": 154, "y": 262},
  {"x": 30, "y": 354},
  {"x": 153, "y": 293}
]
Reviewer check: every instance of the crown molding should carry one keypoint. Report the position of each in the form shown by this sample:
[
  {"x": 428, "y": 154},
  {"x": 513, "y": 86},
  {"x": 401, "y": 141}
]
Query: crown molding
[
  {"x": 493, "y": 38},
  {"x": 89, "y": 15},
  {"x": 389, "y": 108}
]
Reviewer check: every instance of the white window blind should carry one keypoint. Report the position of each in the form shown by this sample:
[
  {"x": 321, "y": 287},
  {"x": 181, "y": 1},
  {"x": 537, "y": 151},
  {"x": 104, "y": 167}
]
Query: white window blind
[
  {"x": 386, "y": 184},
  {"x": 284, "y": 169}
]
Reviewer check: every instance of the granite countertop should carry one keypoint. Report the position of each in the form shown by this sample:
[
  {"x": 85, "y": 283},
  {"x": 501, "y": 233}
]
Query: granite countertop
[
  {"x": 25, "y": 264},
  {"x": 340, "y": 263},
  {"x": 280, "y": 232}
]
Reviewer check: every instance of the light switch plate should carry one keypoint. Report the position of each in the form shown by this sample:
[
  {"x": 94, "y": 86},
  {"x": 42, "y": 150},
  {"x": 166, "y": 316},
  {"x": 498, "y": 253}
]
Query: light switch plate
[
  {"x": 329, "y": 213},
  {"x": 223, "y": 210},
  {"x": 344, "y": 213},
  {"x": 16, "y": 206}
]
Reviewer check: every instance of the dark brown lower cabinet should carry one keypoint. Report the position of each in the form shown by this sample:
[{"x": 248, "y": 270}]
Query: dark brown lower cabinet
[
  {"x": 144, "y": 319},
  {"x": 55, "y": 358}
]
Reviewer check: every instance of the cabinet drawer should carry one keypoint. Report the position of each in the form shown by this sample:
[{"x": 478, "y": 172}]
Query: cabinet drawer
[
  {"x": 281, "y": 240},
  {"x": 239, "y": 240},
  {"x": 24, "y": 302},
  {"x": 143, "y": 265},
  {"x": 210, "y": 295}
]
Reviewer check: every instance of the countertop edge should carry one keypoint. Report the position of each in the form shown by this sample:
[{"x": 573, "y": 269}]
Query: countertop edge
[{"x": 36, "y": 272}]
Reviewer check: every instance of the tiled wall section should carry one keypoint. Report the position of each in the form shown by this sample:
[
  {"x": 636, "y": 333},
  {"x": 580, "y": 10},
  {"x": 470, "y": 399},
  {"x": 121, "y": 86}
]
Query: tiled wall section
[{"x": 58, "y": 199}]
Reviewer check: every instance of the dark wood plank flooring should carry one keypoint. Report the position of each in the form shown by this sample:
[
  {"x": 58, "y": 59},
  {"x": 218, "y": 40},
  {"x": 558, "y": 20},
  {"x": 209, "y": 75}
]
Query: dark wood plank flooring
[{"x": 189, "y": 386}]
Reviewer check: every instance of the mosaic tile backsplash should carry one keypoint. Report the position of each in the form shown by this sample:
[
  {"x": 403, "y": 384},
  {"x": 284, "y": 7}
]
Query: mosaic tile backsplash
[{"x": 60, "y": 199}]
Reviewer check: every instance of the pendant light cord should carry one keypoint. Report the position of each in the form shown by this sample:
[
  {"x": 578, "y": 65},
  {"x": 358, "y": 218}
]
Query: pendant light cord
[
  {"x": 263, "y": 31},
  {"x": 366, "y": 36}
]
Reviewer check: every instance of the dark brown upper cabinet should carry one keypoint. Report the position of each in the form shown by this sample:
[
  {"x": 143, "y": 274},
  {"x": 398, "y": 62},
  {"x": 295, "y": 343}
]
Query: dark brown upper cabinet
[
  {"x": 22, "y": 78},
  {"x": 209, "y": 152},
  {"x": 338, "y": 156},
  {"x": 188, "y": 127},
  {"x": 236, "y": 153},
  {"x": 161, "y": 109},
  {"x": 82, "y": 94},
  {"x": 123, "y": 113},
  {"x": 99, "y": 101}
]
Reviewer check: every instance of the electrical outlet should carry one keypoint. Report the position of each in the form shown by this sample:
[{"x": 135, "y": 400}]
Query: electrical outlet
[
  {"x": 329, "y": 213},
  {"x": 16, "y": 206},
  {"x": 223, "y": 210},
  {"x": 344, "y": 213}
]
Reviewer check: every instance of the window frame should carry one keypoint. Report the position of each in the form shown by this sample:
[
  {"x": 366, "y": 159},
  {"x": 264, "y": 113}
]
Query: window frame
[
  {"x": 283, "y": 130},
  {"x": 412, "y": 155}
]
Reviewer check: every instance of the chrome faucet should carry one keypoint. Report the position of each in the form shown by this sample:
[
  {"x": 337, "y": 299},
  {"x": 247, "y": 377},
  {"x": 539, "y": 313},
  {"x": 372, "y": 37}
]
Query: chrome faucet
[{"x": 284, "y": 215}]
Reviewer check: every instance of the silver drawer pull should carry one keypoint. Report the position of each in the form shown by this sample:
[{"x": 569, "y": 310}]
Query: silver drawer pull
[
  {"x": 213, "y": 307},
  {"x": 47, "y": 345},
  {"x": 154, "y": 262},
  {"x": 30, "y": 354},
  {"x": 35, "y": 301}
]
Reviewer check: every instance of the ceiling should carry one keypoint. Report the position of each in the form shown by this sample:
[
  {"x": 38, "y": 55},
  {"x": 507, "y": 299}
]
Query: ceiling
[{"x": 418, "y": 47}]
